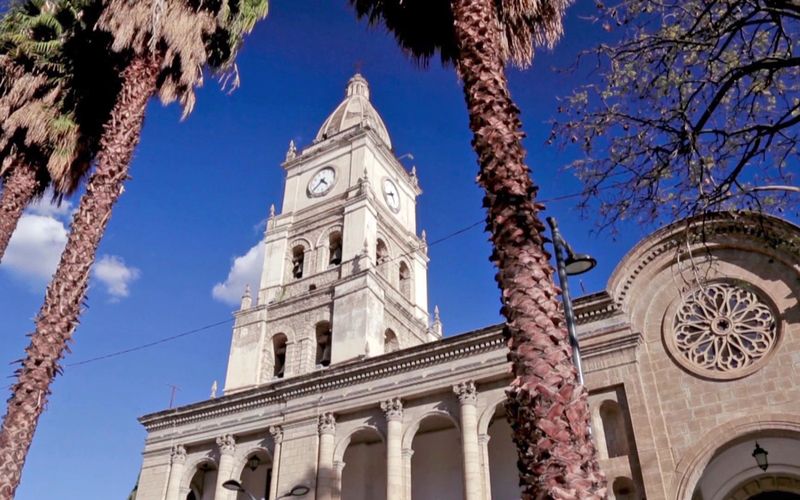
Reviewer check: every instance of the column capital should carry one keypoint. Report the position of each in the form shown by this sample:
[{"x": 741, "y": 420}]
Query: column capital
[
  {"x": 178, "y": 454},
  {"x": 392, "y": 408},
  {"x": 327, "y": 423},
  {"x": 226, "y": 444},
  {"x": 466, "y": 392},
  {"x": 276, "y": 431}
]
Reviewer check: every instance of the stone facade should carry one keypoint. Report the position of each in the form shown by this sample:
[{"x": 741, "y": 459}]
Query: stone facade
[{"x": 691, "y": 355}]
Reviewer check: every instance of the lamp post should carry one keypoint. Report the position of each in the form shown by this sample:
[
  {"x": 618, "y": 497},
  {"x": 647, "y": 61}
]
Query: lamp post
[
  {"x": 571, "y": 265},
  {"x": 235, "y": 485}
]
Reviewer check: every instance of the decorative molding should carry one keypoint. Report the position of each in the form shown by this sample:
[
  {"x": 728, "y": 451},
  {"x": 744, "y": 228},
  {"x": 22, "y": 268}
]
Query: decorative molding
[
  {"x": 327, "y": 423},
  {"x": 466, "y": 392},
  {"x": 226, "y": 444},
  {"x": 178, "y": 454},
  {"x": 276, "y": 431},
  {"x": 393, "y": 409},
  {"x": 413, "y": 358}
]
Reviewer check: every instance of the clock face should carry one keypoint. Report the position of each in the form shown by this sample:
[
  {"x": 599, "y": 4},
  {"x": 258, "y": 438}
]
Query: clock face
[
  {"x": 322, "y": 182},
  {"x": 391, "y": 195}
]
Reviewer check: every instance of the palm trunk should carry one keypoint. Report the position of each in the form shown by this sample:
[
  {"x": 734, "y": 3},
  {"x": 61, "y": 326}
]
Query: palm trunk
[
  {"x": 547, "y": 408},
  {"x": 59, "y": 315},
  {"x": 19, "y": 189}
]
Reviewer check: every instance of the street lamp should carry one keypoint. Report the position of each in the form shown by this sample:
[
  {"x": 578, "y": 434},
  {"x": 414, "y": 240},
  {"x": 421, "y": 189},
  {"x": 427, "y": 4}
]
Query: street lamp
[
  {"x": 760, "y": 454},
  {"x": 573, "y": 264},
  {"x": 235, "y": 485}
]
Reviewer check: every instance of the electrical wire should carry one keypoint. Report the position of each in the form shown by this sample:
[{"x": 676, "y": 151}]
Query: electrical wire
[{"x": 229, "y": 320}]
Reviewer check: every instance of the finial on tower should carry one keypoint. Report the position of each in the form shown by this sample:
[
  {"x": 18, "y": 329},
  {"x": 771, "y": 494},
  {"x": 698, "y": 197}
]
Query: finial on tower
[
  {"x": 291, "y": 154},
  {"x": 414, "y": 177},
  {"x": 436, "y": 328},
  {"x": 214, "y": 390},
  {"x": 436, "y": 317},
  {"x": 272, "y": 211},
  {"x": 247, "y": 299}
]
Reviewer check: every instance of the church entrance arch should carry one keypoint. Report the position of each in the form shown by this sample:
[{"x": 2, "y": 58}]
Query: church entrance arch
[
  {"x": 256, "y": 472},
  {"x": 203, "y": 482},
  {"x": 364, "y": 467},
  {"x": 436, "y": 465},
  {"x": 733, "y": 474},
  {"x": 503, "y": 478}
]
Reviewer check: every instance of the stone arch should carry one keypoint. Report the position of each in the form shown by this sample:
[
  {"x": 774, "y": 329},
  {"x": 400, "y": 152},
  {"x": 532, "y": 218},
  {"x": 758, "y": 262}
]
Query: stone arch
[
  {"x": 437, "y": 464},
  {"x": 192, "y": 468},
  {"x": 765, "y": 483},
  {"x": 241, "y": 460},
  {"x": 390, "y": 341},
  {"x": 280, "y": 354},
  {"x": 411, "y": 430},
  {"x": 488, "y": 413},
  {"x": 690, "y": 468},
  {"x": 299, "y": 255},
  {"x": 323, "y": 247},
  {"x": 405, "y": 280},
  {"x": 343, "y": 443}
]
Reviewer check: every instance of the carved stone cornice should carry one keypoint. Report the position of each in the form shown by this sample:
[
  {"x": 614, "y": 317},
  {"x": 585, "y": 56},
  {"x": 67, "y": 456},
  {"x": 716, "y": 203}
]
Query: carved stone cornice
[
  {"x": 327, "y": 423},
  {"x": 466, "y": 392},
  {"x": 413, "y": 358},
  {"x": 226, "y": 444},
  {"x": 393, "y": 409},
  {"x": 276, "y": 431},
  {"x": 178, "y": 454}
]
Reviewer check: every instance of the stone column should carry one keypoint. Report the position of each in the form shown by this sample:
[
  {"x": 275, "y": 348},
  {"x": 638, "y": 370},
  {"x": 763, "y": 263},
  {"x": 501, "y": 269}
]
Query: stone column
[
  {"x": 393, "y": 409},
  {"x": 468, "y": 397},
  {"x": 277, "y": 439},
  {"x": 227, "y": 446},
  {"x": 325, "y": 472},
  {"x": 407, "y": 454},
  {"x": 178, "y": 462},
  {"x": 338, "y": 468},
  {"x": 483, "y": 439}
]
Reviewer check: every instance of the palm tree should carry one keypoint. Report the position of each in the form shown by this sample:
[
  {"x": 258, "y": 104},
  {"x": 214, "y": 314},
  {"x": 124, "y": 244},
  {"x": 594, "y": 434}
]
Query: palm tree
[
  {"x": 165, "y": 44},
  {"x": 547, "y": 408},
  {"x": 40, "y": 142}
]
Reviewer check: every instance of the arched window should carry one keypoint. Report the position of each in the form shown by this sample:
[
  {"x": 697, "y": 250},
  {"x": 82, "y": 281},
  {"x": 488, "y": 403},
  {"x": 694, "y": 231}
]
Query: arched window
[
  {"x": 324, "y": 340},
  {"x": 405, "y": 280},
  {"x": 298, "y": 261},
  {"x": 614, "y": 429},
  {"x": 381, "y": 252},
  {"x": 390, "y": 343},
  {"x": 335, "y": 248},
  {"x": 279, "y": 351}
]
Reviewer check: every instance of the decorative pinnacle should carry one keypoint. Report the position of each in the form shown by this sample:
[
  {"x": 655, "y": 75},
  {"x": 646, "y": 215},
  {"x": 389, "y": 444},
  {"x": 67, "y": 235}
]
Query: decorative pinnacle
[
  {"x": 424, "y": 237},
  {"x": 272, "y": 211},
  {"x": 247, "y": 298},
  {"x": 436, "y": 317},
  {"x": 291, "y": 154},
  {"x": 413, "y": 171}
]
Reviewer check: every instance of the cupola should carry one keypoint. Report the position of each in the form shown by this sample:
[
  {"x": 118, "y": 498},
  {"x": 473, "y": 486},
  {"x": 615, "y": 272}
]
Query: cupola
[{"x": 355, "y": 110}]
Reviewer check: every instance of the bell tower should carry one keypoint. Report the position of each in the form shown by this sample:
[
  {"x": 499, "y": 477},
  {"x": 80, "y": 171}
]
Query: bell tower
[{"x": 345, "y": 274}]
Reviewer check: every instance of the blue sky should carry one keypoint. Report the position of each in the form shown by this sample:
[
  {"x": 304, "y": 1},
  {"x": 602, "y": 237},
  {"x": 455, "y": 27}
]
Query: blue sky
[{"x": 199, "y": 194}]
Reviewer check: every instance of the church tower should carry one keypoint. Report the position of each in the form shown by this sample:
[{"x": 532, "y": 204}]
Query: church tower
[{"x": 345, "y": 274}]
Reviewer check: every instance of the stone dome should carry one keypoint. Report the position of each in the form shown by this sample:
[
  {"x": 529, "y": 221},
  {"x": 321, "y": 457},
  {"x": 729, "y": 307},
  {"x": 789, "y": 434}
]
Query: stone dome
[{"x": 355, "y": 110}]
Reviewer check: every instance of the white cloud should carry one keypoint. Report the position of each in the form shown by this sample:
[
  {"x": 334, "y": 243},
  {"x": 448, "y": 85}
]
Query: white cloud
[
  {"x": 35, "y": 248},
  {"x": 115, "y": 276},
  {"x": 46, "y": 208},
  {"x": 38, "y": 241},
  {"x": 246, "y": 270}
]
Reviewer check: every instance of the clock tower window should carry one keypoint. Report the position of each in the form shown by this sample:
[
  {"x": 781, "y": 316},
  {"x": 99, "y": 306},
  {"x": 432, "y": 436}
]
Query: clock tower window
[
  {"x": 390, "y": 343},
  {"x": 279, "y": 351},
  {"x": 324, "y": 341},
  {"x": 405, "y": 280},
  {"x": 298, "y": 261},
  {"x": 335, "y": 248}
]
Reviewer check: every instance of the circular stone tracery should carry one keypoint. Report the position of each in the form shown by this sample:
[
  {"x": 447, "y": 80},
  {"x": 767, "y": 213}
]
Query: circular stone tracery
[{"x": 721, "y": 330}]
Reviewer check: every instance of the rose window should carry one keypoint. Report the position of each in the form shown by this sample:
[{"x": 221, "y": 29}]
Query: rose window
[{"x": 722, "y": 330}]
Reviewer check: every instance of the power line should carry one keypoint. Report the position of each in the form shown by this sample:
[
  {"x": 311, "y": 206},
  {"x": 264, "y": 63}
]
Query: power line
[
  {"x": 219, "y": 323},
  {"x": 150, "y": 344}
]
